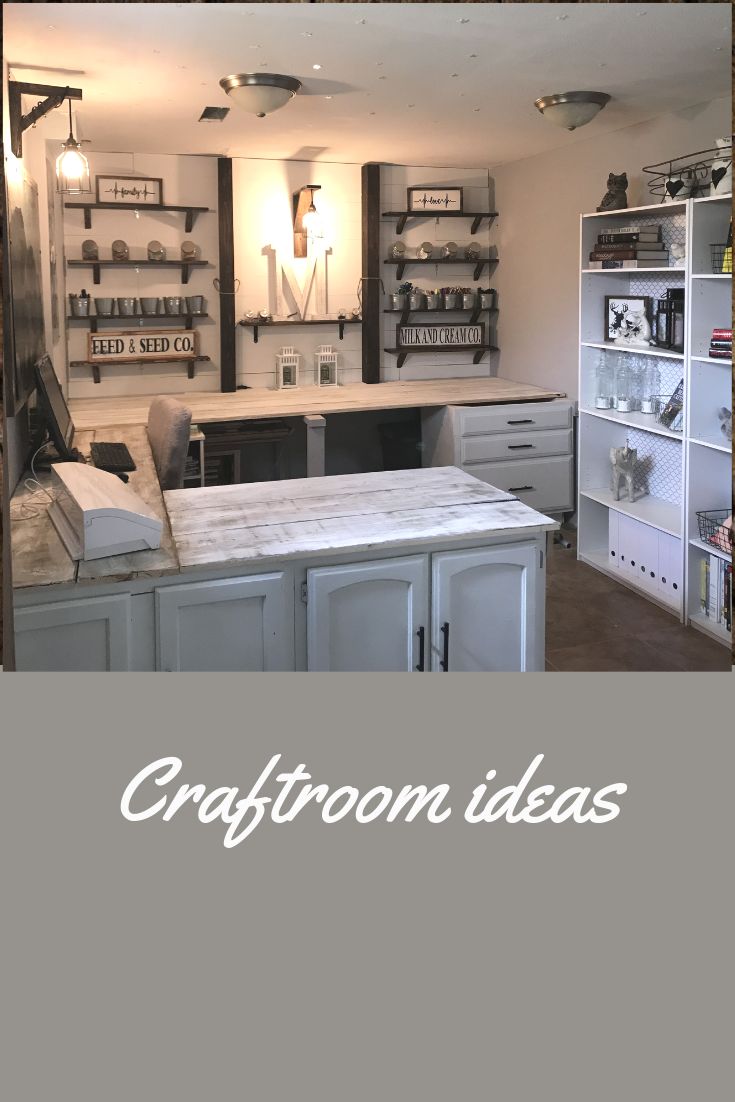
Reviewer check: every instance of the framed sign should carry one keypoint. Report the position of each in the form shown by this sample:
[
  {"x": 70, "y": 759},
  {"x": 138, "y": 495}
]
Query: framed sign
[
  {"x": 155, "y": 345},
  {"x": 440, "y": 336},
  {"x": 129, "y": 189},
  {"x": 442, "y": 200},
  {"x": 623, "y": 312}
]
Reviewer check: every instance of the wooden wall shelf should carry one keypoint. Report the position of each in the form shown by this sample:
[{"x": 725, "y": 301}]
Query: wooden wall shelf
[
  {"x": 474, "y": 313},
  {"x": 191, "y": 212},
  {"x": 480, "y": 265},
  {"x": 478, "y": 353},
  {"x": 478, "y": 217},
  {"x": 96, "y": 265},
  {"x": 93, "y": 321},
  {"x": 190, "y": 361},
  {"x": 339, "y": 322}
]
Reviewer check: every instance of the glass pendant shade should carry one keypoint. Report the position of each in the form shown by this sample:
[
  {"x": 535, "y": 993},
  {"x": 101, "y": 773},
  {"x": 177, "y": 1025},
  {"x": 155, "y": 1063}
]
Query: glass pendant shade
[
  {"x": 72, "y": 167},
  {"x": 260, "y": 93},
  {"x": 571, "y": 109}
]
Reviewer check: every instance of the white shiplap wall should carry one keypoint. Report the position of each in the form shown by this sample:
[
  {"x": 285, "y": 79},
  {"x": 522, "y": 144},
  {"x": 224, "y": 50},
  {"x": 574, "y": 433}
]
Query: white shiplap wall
[
  {"x": 262, "y": 192},
  {"x": 185, "y": 180},
  {"x": 477, "y": 196}
]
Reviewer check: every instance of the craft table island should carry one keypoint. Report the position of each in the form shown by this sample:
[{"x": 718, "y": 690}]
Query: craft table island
[{"x": 414, "y": 570}]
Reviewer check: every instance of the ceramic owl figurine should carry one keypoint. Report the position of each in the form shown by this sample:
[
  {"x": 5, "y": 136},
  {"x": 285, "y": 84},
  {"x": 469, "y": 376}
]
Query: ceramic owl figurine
[{"x": 722, "y": 168}]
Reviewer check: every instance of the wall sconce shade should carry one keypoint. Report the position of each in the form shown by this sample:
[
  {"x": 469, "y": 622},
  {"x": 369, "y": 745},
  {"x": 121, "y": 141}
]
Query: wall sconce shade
[
  {"x": 260, "y": 93},
  {"x": 307, "y": 222},
  {"x": 571, "y": 109},
  {"x": 72, "y": 167}
]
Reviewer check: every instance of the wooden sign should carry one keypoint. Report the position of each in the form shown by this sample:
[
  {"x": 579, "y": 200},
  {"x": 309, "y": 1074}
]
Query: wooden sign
[
  {"x": 141, "y": 190},
  {"x": 441, "y": 200},
  {"x": 440, "y": 336},
  {"x": 153, "y": 344}
]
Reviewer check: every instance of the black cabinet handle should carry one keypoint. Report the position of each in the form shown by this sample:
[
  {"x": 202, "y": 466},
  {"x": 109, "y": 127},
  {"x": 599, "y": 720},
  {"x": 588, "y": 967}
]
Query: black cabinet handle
[
  {"x": 421, "y": 634},
  {"x": 445, "y": 660},
  {"x": 522, "y": 421},
  {"x": 515, "y": 447},
  {"x": 515, "y": 489}
]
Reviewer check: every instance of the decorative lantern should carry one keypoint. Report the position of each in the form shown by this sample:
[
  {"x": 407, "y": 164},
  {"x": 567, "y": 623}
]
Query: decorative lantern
[
  {"x": 287, "y": 368},
  {"x": 325, "y": 359}
]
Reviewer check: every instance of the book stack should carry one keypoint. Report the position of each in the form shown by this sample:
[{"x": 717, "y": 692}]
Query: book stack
[
  {"x": 720, "y": 346},
  {"x": 715, "y": 590},
  {"x": 630, "y": 248}
]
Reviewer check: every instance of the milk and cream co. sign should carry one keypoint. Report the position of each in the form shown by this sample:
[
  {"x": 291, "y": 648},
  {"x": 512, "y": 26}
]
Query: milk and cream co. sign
[
  {"x": 440, "y": 336},
  {"x": 154, "y": 345}
]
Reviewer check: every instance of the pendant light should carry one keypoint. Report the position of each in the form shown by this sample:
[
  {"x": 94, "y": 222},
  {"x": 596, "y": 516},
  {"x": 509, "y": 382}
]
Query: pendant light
[
  {"x": 260, "y": 93},
  {"x": 571, "y": 109},
  {"x": 72, "y": 167}
]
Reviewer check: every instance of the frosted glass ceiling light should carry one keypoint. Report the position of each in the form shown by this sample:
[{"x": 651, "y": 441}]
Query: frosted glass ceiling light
[
  {"x": 571, "y": 109},
  {"x": 260, "y": 93},
  {"x": 72, "y": 167}
]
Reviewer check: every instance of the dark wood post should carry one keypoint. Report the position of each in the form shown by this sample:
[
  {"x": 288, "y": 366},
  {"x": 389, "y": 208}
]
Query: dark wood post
[
  {"x": 228, "y": 367},
  {"x": 371, "y": 273}
]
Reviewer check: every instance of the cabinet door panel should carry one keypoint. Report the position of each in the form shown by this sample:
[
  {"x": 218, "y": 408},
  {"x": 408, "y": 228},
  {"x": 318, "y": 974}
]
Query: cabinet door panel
[
  {"x": 87, "y": 635},
  {"x": 230, "y": 625},
  {"x": 365, "y": 617},
  {"x": 487, "y": 597}
]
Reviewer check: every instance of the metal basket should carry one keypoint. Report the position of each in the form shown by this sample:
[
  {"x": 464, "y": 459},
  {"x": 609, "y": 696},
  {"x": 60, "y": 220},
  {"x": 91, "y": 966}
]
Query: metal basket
[
  {"x": 721, "y": 258},
  {"x": 712, "y": 528}
]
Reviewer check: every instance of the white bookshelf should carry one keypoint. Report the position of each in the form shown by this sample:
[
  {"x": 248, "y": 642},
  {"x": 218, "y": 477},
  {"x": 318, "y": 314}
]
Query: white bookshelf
[{"x": 682, "y": 471}]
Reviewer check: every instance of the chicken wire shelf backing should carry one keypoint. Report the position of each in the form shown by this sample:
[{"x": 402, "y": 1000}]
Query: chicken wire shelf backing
[
  {"x": 656, "y": 284},
  {"x": 658, "y": 470}
]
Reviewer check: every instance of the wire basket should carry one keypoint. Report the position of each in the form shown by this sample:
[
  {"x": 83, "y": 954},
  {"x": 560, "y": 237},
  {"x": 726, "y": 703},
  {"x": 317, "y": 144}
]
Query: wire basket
[
  {"x": 721, "y": 258},
  {"x": 712, "y": 528}
]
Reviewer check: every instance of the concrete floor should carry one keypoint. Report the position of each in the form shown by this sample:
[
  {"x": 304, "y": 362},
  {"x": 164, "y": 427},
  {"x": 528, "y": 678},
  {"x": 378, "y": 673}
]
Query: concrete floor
[{"x": 594, "y": 623}]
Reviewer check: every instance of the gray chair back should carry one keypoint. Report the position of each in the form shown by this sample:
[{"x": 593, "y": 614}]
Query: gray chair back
[{"x": 169, "y": 423}]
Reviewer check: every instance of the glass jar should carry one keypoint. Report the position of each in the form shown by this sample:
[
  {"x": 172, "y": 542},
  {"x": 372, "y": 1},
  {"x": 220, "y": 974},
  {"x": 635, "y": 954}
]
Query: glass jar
[
  {"x": 604, "y": 382},
  {"x": 637, "y": 368},
  {"x": 651, "y": 385},
  {"x": 623, "y": 385}
]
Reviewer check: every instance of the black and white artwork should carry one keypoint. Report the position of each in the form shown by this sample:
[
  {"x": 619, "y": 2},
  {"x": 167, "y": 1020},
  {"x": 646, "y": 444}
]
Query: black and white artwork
[
  {"x": 26, "y": 297},
  {"x": 620, "y": 310},
  {"x": 439, "y": 200},
  {"x": 140, "y": 190}
]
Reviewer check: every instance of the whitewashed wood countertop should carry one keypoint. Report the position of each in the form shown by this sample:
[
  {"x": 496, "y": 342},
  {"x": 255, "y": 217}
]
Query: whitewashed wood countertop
[{"x": 220, "y": 526}]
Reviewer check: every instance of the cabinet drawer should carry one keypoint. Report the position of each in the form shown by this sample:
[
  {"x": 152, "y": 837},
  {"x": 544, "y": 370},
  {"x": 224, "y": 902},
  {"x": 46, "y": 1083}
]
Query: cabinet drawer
[
  {"x": 544, "y": 484},
  {"x": 514, "y": 445},
  {"x": 514, "y": 418}
]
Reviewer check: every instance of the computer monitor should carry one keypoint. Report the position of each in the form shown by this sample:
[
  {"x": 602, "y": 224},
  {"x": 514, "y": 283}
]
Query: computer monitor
[{"x": 53, "y": 409}]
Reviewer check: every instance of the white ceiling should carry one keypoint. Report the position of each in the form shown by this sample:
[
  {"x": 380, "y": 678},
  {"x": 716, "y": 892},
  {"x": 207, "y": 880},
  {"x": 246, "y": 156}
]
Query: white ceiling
[{"x": 431, "y": 84}]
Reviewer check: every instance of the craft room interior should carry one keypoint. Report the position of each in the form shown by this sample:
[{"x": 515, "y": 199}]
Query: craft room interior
[{"x": 367, "y": 337}]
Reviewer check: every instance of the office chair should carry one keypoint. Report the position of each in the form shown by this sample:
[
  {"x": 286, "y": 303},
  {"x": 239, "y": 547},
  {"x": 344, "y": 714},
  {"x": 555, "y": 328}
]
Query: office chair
[{"x": 168, "y": 432}]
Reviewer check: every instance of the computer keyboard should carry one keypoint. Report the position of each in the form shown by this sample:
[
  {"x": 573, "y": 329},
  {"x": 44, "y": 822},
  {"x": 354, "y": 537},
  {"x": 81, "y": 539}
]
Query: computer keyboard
[{"x": 112, "y": 457}]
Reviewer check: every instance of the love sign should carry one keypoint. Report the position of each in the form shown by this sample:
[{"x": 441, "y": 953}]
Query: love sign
[
  {"x": 441, "y": 200},
  {"x": 154, "y": 345}
]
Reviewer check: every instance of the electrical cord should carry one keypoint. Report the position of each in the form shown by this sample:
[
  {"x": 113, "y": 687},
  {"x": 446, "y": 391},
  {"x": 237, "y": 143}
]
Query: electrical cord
[{"x": 28, "y": 508}]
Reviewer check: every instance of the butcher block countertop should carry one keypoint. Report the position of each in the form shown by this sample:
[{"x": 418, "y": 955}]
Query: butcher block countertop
[
  {"x": 98, "y": 413},
  {"x": 220, "y": 526}
]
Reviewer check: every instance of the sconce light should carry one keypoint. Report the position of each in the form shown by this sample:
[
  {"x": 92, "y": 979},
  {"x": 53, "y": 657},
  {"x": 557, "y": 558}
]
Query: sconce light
[
  {"x": 20, "y": 122},
  {"x": 571, "y": 109},
  {"x": 72, "y": 167},
  {"x": 307, "y": 223}
]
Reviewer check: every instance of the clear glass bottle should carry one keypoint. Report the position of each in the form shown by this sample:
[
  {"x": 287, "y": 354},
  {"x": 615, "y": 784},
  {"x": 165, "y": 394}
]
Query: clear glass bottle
[
  {"x": 604, "y": 382},
  {"x": 651, "y": 385},
  {"x": 637, "y": 370},
  {"x": 623, "y": 384}
]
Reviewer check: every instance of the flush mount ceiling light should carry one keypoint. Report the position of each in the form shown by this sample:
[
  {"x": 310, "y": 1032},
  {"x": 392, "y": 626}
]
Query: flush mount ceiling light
[
  {"x": 571, "y": 109},
  {"x": 72, "y": 167},
  {"x": 260, "y": 93}
]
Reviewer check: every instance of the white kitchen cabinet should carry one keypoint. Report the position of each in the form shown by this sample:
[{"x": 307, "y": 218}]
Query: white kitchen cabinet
[
  {"x": 230, "y": 624},
  {"x": 89, "y": 634},
  {"x": 484, "y": 609},
  {"x": 368, "y": 616}
]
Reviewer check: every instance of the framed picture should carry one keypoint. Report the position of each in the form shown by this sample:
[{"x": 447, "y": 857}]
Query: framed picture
[
  {"x": 620, "y": 310},
  {"x": 442, "y": 200},
  {"x": 142, "y": 190}
]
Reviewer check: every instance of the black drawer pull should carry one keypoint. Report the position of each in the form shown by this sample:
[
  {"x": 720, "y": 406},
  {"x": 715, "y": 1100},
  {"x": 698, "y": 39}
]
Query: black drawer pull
[
  {"x": 522, "y": 421},
  {"x": 445, "y": 660},
  {"x": 515, "y": 447},
  {"x": 516, "y": 489},
  {"x": 421, "y": 635}
]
